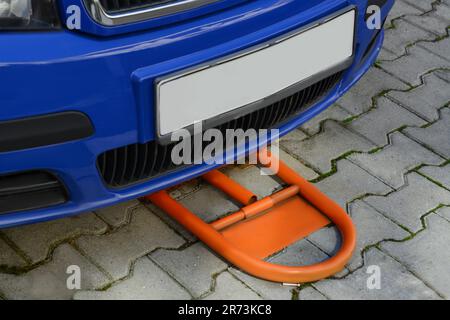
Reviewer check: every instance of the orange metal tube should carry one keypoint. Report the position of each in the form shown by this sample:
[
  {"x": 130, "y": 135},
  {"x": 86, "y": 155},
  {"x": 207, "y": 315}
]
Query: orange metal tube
[
  {"x": 285, "y": 194},
  {"x": 228, "y": 220},
  {"x": 255, "y": 208},
  {"x": 230, "y": 187}
]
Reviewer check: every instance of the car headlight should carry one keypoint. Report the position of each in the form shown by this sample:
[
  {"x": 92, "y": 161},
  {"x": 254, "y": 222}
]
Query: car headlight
[{"x": 28, "y": 15}]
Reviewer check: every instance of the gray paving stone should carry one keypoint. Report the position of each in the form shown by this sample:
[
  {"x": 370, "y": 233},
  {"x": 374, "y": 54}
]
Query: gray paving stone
[
  {"x": 301, "y": 253},
  {"x": 186, "y": 188},
  {"x": 439, "y": 174},
  {"x": 407, "y": 205},
  {"x": 443, "y": 74},
  {"x": 49, "y": 281},
  {"x": 385, "y": 118},
  {"x": 391, "y": 163},
  {"x": 436, "y": 136},
  {"x": 37, "y": 240},
  {"x": 297, "y": 166},
  {"x": 295, "y": 135},
  {"x": 426, "y": 99},
  {"x": 250, "y": 177},
  {"x": 174, "y": 225},
  {"x": 440, "y": 48},
  {"x": 309, "y": 293},
  {"x": 229, "y": 288},
  {"x": 423, "y": 5},
  {"x": 209, "y": 203},
  {"x": 335, "y": 112},
  {"x": 119, "y": 214},
  {"x": 147, "y": 282},
  {"x": 116, "y": 251},
  {"x": 386, "y": 55},
  {"x": 397, "y": 283},
  {"x": 266, "y": 289},
  {"x": 334, "y": 141},
  {"x": 8, "y": 257},
  {"x": 411, "y": 67},
  {"x": 444, "y": 212},
  {"x": 371, "y": 226},
  {"x": 435, "y": 21},
  {"x": 193, "y": 267},
  {"x": 351, "y": 182},
  {"x": 400, "y": 9},
  {"x": 401, "y": 36},
  {"x": 427, "y": 254},
  {"x": 374, "y": 82}
]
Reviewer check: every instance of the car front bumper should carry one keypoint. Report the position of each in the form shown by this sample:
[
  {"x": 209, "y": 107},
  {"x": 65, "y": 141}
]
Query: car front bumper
[{"x": 53, "y": 72}]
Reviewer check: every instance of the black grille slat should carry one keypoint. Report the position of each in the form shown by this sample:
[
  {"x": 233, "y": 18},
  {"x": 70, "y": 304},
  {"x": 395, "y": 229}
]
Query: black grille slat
[
  {"x": 314, "y": 90},
  {"x": 138, "y": 162},
  {"x": 143, "y": 160},
  {"x": 125, "y": 5},
  {"x": 265, "y": 115},
  {"x": 294, "y": 103},
  {"x": 163, "y": 163},
  {"x": 148, "y": 160},
  {"x": 272, "y": 113},
  {"x": 301, "y": 99},
  {"x": 290, "y": 105},
  {"x": 257, "y": 118},
  {"x": 152, "y": 162},
  {"x": 253, "y": 119},
  {"x": 327, "y": 85},
  {"x": 308, "y": 95},
  {"x": 133, "y": 156},
  {"x": 282, "y": 113},
  {"x": 242, "y": 122},
  {"x": 102, "y": 162},
  {"x": 122, "y": 165},
  {"x": 113, "y": 165},
  {"x": 278, "y": 112}
]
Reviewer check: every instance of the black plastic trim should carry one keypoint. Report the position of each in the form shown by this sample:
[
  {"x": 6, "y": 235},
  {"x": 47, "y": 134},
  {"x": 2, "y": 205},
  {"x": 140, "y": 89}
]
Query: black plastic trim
[
  {"x": 44, "y": 130},
  {"x": 30, "y": 190}
]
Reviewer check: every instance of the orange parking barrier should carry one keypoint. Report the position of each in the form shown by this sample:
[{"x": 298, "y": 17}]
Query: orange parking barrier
[
  {"x": 230, "y": 187},
  {"x": 264, "y": 227}
]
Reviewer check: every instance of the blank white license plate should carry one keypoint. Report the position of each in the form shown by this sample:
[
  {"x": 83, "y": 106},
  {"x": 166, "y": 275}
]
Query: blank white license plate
[{"x": 213, "y": 90}]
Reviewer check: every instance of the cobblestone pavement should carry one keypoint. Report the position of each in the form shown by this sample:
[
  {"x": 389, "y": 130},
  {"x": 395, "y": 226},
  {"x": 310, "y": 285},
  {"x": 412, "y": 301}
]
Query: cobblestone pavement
[{"x": 382, "y": 152}]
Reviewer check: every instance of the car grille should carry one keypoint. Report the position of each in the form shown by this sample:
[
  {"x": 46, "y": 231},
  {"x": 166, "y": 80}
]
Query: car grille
[
  {"x": 138, "y": 162},
  {"x": 124, "y": 5},
  {"x": 30, "y": 190}
]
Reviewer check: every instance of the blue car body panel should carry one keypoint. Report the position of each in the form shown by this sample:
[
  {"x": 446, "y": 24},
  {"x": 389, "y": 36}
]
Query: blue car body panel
[{"x": 92, "y": 71}]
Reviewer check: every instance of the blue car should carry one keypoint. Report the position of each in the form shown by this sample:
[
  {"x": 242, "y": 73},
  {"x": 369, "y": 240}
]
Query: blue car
[{"x": 91, "y": 90}]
